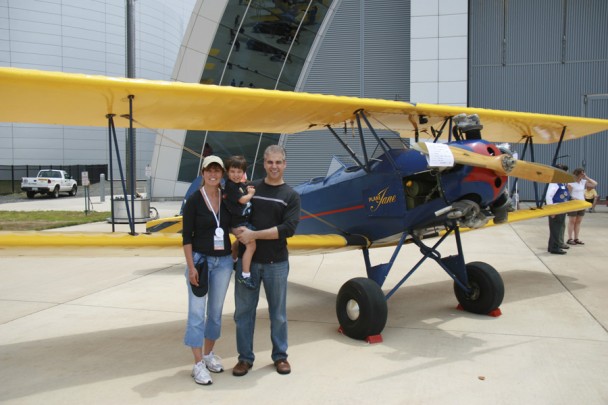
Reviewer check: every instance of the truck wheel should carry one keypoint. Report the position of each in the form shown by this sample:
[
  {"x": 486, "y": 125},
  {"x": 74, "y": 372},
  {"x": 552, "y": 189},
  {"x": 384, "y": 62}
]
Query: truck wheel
[
  {"x": 30, "y": 194},
  {"x": 73, "y": 190},
  {"x": 56, "y": 192}
]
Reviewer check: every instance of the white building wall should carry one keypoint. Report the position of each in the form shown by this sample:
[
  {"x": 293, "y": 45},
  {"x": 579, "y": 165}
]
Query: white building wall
[
  {"x": 84, "y": 36},
  {"x": 439, "y": 51}
]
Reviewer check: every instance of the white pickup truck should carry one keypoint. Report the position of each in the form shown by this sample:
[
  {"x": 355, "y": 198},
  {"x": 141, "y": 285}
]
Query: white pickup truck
[{"x": 49, "y": 181}]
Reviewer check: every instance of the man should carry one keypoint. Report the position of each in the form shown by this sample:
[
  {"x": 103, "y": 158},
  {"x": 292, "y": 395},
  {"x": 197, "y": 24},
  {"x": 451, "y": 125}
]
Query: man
[
  {"x": 557, "y": 193},
  {"x": 275, "y": 214}
]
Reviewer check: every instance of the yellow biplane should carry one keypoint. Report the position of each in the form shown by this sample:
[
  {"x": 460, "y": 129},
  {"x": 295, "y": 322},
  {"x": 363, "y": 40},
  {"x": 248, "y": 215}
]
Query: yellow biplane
[{"x": 397, "y": 195}]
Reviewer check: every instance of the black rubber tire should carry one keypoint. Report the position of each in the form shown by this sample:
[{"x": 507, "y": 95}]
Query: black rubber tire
[
  {"x": 368, "y": 309},
  {"x": 55, "y": 192},
  {"x": 30, "y": 194},
  {"x": 488, "y": 289},
  {"x": 73, "y": 191}
]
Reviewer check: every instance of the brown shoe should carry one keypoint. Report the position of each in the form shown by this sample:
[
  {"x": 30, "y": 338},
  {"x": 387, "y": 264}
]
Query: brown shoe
[
  {"x": 241, "y": 368},
  {"x": 282, "y": 366}
]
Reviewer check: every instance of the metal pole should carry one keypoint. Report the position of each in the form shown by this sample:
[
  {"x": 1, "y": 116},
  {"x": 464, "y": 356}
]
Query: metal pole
[
  {"x": 130, "y": 73},
  {"x": 132, "y": 157},
  {"x": 111, "y": 171}
]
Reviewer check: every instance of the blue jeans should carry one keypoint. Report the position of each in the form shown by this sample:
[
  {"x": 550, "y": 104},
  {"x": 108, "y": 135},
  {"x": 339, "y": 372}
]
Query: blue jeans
[
  {"x": 205, "y": 313},
  {"x": 274, "y": 278}
]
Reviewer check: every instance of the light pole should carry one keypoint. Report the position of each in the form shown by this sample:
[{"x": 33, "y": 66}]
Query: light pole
[{"x": 130, "y": 73}]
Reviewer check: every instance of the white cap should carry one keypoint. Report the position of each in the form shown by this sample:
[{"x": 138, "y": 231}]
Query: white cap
[{"x": 213, "y": 159}]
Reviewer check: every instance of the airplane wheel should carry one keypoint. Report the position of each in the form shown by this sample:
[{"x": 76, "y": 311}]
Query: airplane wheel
[
  {"x": 487, "y": 286},
  {"x": 361, "y": 308}
]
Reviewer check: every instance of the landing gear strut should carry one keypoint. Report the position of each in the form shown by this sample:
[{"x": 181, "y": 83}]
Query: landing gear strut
[{"x": 361, "y": 305}]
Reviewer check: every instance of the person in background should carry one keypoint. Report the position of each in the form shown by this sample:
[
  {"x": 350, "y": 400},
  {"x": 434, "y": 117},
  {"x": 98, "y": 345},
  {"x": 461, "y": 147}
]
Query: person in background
[
  {"x": 206, "y": 223},
  {"x": 577, "y": 192},
  {"x": 207, "y": 150},
  {"x": 238, "y": 201},
  {"x": 275, "y": 215},
  {"x": 591, "y": 196},
  {"x": 557, "y": 193}
]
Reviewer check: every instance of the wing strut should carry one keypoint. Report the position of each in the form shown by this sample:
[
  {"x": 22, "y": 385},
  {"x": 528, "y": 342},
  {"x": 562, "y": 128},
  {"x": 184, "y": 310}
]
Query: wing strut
[
  {"x": 382, "y": 145},
  {"x": 553, "y": 162},
  {"x": 363, "y": 148},
  {"x": 437, "y": 133},
  {"x": 112, "y": 136},
  {"x": 366, "y": 164},
  {"x": 347, "y": 148},
  {"x": 530, "y": 142}
]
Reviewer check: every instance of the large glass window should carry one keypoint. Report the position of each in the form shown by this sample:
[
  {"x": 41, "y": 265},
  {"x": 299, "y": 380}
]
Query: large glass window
[{"x": 260, "y": 44}]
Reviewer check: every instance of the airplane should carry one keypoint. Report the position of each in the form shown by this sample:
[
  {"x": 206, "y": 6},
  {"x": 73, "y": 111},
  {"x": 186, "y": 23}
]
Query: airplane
[{"x": 401, "y": 193}]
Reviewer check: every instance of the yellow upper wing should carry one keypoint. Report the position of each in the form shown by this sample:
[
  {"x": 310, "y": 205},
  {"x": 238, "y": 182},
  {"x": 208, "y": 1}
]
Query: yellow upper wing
[
  {"x": 32, "y": 96},
  {"x": 77, "y": 99},
  {"x": 512, "y": 126}
]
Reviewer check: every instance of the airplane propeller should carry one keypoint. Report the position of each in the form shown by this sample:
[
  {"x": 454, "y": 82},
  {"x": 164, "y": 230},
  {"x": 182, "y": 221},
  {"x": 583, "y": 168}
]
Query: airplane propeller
[{"x": 506, "y": 165}]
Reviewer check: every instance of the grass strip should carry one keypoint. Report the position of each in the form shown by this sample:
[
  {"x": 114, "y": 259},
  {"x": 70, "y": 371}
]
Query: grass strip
[{"x": 40, "y": 220}]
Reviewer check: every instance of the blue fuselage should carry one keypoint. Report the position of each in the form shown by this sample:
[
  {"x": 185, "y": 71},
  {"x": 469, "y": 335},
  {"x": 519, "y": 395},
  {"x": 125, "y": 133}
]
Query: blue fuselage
[{"x": 387, "y": 201}]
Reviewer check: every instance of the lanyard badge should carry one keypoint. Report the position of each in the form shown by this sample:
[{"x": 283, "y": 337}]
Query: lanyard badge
[{"x": 218, "y": 237}]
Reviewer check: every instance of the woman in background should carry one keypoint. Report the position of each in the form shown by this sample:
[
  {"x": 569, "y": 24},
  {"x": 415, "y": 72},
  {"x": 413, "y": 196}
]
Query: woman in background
[{"x": 577, "y": 192}]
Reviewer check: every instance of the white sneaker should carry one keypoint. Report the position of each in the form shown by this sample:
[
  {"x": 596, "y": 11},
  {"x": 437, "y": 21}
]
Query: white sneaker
[
  {"x": 200, "y": 374},
  {"x": 213, "y": 363}
]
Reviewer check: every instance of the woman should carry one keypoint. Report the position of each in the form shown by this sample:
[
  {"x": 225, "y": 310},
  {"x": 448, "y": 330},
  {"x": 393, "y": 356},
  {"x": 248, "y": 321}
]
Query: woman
[
  {"x": 206, "y": 222},
  {"x": 577, "y": 191}
]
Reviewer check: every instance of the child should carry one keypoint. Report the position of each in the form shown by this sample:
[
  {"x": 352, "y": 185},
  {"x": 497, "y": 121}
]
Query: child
[
  {"x": 238, "y": 197},
  {"x": 591, "y": 196}
]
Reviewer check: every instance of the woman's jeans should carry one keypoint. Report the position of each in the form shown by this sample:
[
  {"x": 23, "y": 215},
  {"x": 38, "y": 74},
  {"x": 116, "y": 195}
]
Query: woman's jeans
[{"x": 205, "y": 313}]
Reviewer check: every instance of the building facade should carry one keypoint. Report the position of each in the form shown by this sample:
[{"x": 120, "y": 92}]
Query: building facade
[
  {"x": 399, "y": 50},
  {"x": 84, "y": 36},
  {"x": 548, "y": 57},
  {"x": 545, "y": 56}
]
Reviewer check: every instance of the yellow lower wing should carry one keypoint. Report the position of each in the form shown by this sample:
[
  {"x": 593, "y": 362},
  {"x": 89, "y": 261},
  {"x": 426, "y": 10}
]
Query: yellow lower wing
[
  {"x": 545, "y": 211},
  {"x": 113, "y": 240},
  {"x": 298, "y": 244},
  {"x": 516, "y": 216}
]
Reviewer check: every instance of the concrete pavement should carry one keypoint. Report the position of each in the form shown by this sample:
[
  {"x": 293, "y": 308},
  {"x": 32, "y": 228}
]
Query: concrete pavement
[{"x": 105, "y": 326}]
